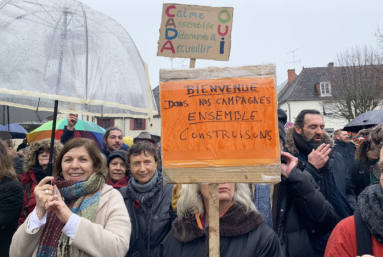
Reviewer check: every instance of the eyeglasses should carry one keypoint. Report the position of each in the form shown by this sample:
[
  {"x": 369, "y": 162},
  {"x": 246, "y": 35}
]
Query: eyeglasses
[{"x": 377, "y": 171}]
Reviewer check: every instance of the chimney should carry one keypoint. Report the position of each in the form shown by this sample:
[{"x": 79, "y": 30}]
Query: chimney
[
  {"x": 291, "y": 75},
  {"x": 330, "y": 64}
]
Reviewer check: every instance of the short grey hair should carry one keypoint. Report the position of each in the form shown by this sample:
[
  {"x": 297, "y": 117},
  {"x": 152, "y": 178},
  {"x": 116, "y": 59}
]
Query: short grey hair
[{"x": 191, "y": 197}]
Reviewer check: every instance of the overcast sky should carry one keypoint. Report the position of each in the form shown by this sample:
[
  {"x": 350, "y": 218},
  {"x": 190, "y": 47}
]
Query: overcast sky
[{"x": 263, "y": 31}]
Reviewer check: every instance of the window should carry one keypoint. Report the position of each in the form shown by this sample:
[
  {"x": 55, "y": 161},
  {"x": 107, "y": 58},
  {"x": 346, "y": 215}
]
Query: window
[
  {"x": 330, "y": 132},
  {"x": 325, "y": 89},
  {"x": 137, "y": 124},
  {"x": 328, "y": 110},
  {"x": 105, "y": 123}
]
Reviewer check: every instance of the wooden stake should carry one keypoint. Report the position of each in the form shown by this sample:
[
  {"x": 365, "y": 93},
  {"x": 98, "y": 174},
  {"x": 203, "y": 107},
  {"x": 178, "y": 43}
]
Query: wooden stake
[
  {"x": 214, "y": 246},
  {"x": 192, "y": 63}
]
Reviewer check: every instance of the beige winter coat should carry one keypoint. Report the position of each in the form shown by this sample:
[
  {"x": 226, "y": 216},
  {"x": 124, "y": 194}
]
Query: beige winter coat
[{"x": 108, "y": 236}]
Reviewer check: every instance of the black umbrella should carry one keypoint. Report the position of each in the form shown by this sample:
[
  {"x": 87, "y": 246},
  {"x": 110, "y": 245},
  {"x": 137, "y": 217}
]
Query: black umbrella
[
  {"x": 10, "y": 114},
  {"x": 364, "y": 121}
]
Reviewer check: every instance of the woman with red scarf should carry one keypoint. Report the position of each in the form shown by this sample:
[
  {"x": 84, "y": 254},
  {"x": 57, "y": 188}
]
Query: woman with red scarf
[{"x": 117, "y": 175}]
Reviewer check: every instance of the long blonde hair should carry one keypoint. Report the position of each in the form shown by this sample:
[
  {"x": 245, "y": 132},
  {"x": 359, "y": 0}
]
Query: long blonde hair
[{"x": 191, "y": 197}]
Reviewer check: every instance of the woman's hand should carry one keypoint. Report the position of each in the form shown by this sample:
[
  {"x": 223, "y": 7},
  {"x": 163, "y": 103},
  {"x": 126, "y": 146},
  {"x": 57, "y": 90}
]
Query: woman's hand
[
  {"x": 43, "y": 192},
  {"x": 56, "y": 205}
]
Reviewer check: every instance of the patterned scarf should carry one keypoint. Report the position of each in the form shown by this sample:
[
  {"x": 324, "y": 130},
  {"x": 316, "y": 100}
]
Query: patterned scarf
[
  {"x": 121, "y": 183},
  {"x": 87, "y": 193},
  {"x": 370, "y": 203}
]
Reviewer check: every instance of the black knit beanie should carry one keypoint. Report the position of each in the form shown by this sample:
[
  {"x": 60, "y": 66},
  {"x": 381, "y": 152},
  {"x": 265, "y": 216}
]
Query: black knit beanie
[
  {"x": 282, "y": 119},
  {"x": 117, "y": 153}
]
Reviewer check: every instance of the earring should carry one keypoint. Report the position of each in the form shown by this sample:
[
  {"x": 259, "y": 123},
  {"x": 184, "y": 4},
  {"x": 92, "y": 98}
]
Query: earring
[{"x": 61, "y": 174}]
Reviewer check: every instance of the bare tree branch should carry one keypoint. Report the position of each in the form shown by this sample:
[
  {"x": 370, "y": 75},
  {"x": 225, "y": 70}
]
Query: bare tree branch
[{"x": 356, "y": 82}]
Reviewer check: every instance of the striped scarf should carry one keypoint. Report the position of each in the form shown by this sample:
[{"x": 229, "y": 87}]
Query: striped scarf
[{"x": 87, "y": 193}]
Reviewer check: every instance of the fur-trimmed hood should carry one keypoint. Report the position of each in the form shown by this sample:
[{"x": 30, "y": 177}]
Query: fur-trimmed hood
[
  {"x": 290, "y": 145},
  {"x": 30, "y": 156},
  {"x": 236, "y": 222}
]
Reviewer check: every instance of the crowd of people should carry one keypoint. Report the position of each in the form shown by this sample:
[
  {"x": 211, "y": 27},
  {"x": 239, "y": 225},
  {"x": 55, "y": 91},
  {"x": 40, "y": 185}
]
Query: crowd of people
[{"x": 112, "y": 202}]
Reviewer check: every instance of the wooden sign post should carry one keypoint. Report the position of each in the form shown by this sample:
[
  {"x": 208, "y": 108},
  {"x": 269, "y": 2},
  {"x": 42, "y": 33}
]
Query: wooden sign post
[{"x": 219, "y": 125}]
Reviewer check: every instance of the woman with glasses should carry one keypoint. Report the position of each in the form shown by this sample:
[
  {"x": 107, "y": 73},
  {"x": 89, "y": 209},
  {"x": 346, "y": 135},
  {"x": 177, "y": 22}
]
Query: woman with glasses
[
  {"x": 364, "y": 171},
  {"x": 362, "y": 234}
]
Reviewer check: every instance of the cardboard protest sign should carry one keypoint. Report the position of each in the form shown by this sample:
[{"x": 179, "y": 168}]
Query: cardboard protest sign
[
  {"x": 217, "y": 130},
  {"x": 193, "y": 31}
]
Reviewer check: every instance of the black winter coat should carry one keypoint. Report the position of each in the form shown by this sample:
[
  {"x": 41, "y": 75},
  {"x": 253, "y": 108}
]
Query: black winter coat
[
  {"x": 360, "y": 176},
  {"x": 152, "y": 215},
  {"x": 11, "y": 203},
  {"x": 66, "y": 135},
  {"x": 332, "y": 180},
  {"x": 18, "y": 165},
  {"x": 241, "y": 235},
  {"x": 347, "y": 150},
  {"x": 303, "y": 214}
]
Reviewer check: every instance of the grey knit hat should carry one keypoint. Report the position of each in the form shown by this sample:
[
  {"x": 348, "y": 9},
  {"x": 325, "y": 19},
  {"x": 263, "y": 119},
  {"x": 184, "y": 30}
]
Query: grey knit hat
[{"x": 117, "y": 153}]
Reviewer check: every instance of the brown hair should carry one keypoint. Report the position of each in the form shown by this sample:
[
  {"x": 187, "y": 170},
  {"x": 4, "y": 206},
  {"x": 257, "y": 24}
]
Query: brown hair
[
  {"x": 6, "y": 165},
  {"x": 361, "y": 151},
  {"x": 337, "y": 132},
  {"x": 145, "y": 147},
  {"x": 90, "y": 146},
  {"x": 377, "y": 135},
  {"x": 363, "y": 132}
]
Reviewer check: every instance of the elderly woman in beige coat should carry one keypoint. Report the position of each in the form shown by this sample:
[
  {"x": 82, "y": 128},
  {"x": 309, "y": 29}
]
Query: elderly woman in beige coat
[{"x": 77, "y": 214}]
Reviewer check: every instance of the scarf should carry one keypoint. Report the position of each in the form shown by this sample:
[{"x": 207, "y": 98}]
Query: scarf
[
  {"x": 147, "y": 198},
  {"x": 370, "y": 203},
  {"x": 144, "y": 188},
  {"x": 87, "y": 193},
  {"x": 121, "y": 183},
  {"x": 301, "y": 144},
  {"x": 39, "y": 173}
]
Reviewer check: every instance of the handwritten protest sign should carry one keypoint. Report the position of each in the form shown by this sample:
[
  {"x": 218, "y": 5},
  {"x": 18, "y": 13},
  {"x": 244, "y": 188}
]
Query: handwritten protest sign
[
  {"x": 193, "y": 31},
  {"x": 220, "y": 130}
]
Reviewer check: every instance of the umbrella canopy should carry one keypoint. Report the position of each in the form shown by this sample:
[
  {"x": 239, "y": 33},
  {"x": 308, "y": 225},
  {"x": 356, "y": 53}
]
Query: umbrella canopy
[
  {"x": 365, "y": 120},
  {"x": 21, "y": 115},
  {"x": 16, "y": 130},
  {"x": 84, "y": 129},
  {"x": 63, "y": 50}
]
